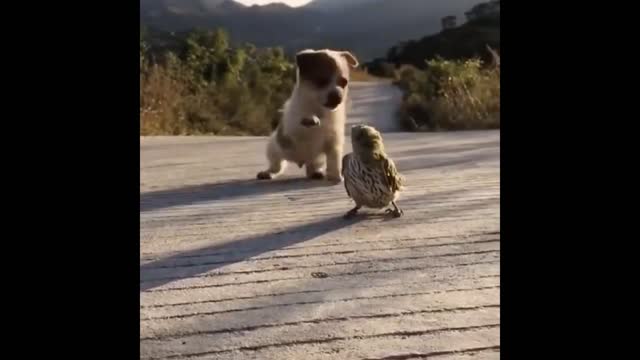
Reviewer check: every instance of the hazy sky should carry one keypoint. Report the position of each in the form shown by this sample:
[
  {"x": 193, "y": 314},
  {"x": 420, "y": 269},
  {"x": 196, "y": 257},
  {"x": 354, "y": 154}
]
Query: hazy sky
[{"x": 262, "y": 2}]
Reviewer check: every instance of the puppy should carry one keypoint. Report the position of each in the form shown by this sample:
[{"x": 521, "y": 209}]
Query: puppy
[{"x": 320, "y": 94}]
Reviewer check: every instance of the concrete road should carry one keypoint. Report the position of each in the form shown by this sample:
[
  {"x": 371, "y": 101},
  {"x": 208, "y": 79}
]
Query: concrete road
[
  {"x": 235, "y": 269},
  {"x": 370, "y": 104}
]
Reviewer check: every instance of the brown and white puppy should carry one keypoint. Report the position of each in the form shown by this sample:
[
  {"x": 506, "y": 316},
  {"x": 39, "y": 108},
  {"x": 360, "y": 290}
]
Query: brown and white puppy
[{"x": 320, "y": 93}]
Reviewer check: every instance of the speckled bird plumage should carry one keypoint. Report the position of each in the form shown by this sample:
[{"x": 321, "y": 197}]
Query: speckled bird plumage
[{"x": 370, "y": 176}]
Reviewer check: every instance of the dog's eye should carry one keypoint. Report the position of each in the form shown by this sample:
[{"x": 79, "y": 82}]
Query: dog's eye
[
  {"x": 342, "y": 82},
  {"x": 322, "y": 82}
]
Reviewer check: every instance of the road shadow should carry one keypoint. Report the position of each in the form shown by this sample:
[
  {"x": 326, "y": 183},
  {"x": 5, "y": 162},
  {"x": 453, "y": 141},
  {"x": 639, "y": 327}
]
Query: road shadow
[
  {"x": 160, "y": 272},
  {"x": 155, "y": 200},
  {"x": 207, "y": 259}
]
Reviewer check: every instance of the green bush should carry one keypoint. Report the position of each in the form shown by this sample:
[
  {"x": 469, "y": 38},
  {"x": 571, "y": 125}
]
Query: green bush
[
  {"x": 208, "y": 87},
  {"x": 450, "y": 95}
]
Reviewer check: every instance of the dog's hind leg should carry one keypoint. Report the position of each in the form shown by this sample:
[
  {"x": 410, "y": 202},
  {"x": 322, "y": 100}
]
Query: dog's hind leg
[{"x": 277, "y": 164}]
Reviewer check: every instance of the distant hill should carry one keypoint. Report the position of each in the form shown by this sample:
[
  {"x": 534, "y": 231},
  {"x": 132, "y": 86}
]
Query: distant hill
[
  {"x": 335, "y": 4},
  {"x": 367, "y": 27},
  {"x": 466, "y": 41}
]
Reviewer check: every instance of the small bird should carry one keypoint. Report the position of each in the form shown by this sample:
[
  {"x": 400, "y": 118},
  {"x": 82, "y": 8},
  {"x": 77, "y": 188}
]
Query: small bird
[{"x": 370, "y": 176}]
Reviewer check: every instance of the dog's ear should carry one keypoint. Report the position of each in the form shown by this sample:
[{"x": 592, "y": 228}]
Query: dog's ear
[
  {"x": 305, "y": 59},
  {"x": 351, "y": 59},
  {"x": 315, "y": 64}
]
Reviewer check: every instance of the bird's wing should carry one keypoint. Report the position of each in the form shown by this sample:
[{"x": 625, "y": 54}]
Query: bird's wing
[
  {"x": 345, "y": 163},
  {"x": 394, "y": 180}
]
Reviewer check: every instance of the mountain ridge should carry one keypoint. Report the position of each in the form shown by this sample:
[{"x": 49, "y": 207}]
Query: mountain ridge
[{"x": 367, "y": 27}]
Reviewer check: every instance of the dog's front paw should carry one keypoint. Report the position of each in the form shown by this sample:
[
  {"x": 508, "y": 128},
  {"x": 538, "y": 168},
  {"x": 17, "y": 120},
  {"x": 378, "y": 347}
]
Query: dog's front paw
[
  {"x": 316, "y": 176},
  {"x": 310, "y": 122},
  {"x": 264, "y": 175},
  {"x": 335, "y": 179}
]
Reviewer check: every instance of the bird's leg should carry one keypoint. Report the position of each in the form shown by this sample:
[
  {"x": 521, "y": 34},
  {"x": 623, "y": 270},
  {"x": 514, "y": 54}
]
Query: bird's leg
[
  {"x": 351, "y": 213},
  {"x": 396, "y": 211}
]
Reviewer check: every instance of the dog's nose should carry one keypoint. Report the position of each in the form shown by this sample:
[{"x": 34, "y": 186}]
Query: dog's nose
[{"x": 333, "y": 99}]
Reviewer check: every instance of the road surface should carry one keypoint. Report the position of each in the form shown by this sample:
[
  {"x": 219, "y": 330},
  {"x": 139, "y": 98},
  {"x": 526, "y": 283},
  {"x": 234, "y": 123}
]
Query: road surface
[
  {"x": 374, "y": 105},
  {"x": 232, "y": 268}
]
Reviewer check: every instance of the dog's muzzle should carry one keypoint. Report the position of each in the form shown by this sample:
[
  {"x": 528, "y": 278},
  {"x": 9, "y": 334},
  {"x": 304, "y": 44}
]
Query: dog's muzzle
[{"x": 333, "y": 100}]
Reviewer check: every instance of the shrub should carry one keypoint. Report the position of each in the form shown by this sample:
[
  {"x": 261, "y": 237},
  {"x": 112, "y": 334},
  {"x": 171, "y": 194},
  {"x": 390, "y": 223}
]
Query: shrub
[
  {"x": 450, "y": 95},
  {"x": 208, "y": 87}
]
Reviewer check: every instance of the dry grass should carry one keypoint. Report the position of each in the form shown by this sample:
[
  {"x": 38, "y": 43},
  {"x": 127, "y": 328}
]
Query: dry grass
[
  {"x": 170, "y": 106},
  {"x": 161, "y": 103}
]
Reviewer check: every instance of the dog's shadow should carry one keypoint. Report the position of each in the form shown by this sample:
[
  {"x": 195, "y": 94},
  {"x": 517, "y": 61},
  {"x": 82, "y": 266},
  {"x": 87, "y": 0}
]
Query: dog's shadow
[
  {"x": 194, "y": 194},
  {"x": 208, "y": 259}
]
